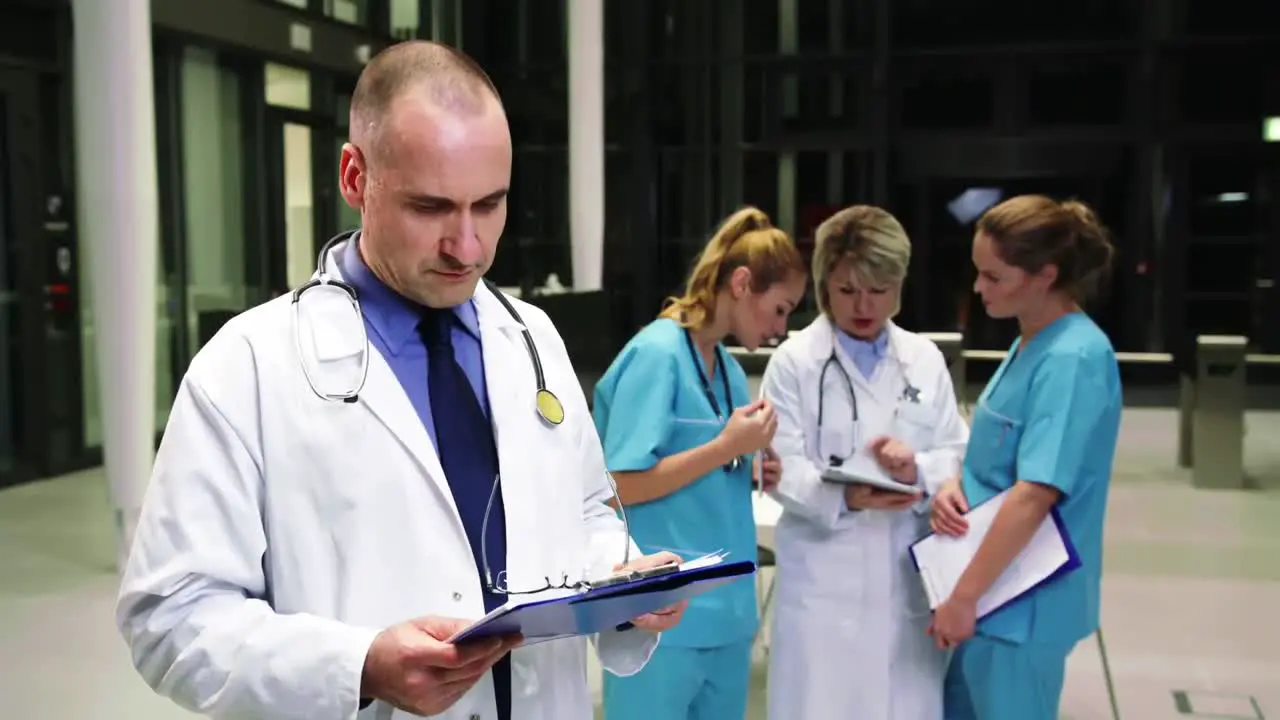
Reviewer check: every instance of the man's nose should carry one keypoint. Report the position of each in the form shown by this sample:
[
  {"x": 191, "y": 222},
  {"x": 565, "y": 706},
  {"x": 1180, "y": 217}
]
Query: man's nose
[{"x": 463, "y": 244}]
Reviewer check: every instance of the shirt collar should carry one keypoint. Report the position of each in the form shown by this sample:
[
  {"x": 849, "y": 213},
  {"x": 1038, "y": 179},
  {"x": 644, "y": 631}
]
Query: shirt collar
[
  {"x": 393, "y": 317},
  {"x": 857, "y": 346}
]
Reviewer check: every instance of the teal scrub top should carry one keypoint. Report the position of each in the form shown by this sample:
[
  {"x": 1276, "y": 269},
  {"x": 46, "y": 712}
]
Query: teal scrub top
[
  {"x": 651, "y": 404},
  {"x": 1050, "y": 415}
]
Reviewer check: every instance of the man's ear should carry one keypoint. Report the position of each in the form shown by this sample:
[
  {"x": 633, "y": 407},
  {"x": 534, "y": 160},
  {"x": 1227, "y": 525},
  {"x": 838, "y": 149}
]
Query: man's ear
[{"x": 352, "y": 176}]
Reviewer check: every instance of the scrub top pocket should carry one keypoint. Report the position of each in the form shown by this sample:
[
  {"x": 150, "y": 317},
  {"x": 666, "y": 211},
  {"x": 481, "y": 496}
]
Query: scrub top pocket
[{"x": 992, "y": 454}]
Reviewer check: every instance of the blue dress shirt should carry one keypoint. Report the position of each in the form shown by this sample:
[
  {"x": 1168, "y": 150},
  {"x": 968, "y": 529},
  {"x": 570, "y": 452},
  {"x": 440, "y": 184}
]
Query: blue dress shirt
[{"x": 392, "y": 323}]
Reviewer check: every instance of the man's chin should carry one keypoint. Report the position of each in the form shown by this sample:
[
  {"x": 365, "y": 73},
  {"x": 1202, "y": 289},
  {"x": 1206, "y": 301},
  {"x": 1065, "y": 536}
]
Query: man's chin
[{"x": 449, "y": 295}]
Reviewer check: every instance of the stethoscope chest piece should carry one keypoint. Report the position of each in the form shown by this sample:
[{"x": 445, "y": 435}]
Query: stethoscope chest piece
[{"x": 549, "y": 407}]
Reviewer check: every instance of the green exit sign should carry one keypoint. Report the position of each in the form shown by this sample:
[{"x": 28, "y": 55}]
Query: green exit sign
[{"x": 1271, "y": 129}]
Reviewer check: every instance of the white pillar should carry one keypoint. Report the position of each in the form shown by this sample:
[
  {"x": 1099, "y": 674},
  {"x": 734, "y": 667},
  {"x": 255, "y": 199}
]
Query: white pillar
[
  {"x": 586, "y": 141},
  {"x": 116, "y": 173}
]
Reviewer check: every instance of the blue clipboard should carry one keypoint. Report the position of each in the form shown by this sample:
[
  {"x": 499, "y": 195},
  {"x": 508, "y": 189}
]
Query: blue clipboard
[
  {"x": 1072, "y": 564},
  {"x": 607, "y": 608}
]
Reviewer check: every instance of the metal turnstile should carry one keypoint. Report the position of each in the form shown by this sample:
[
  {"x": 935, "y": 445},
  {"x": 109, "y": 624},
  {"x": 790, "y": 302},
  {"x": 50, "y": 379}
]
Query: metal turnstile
[{"x": 1217, "y": 424}]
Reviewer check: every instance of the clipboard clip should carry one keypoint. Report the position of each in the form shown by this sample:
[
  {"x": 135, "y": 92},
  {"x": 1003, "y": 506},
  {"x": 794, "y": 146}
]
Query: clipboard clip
[{"x": 627, "y": 576}]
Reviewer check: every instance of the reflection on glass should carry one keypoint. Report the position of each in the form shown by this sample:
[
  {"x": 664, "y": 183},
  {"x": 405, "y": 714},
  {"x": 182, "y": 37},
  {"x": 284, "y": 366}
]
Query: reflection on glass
[
  {"x": 287, "y": 86},
  {"x": 300, "y": 4},
  {"x": 299, "y": 205}
]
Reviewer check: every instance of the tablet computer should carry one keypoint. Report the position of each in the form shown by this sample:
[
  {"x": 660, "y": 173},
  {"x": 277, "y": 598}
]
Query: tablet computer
[{"x": 862, "y": 470}]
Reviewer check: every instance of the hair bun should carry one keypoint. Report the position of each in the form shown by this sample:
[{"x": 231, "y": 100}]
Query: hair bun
[{"x": 1093, "y": 241}]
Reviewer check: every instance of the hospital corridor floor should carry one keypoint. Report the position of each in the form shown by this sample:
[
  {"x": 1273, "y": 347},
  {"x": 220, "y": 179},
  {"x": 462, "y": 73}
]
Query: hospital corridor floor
[{"x": 1190, "y": 592}]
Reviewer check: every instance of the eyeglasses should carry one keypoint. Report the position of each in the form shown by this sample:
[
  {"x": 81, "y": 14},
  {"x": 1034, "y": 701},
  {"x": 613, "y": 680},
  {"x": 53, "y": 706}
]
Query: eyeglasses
[{"x": 498, "y": 585}]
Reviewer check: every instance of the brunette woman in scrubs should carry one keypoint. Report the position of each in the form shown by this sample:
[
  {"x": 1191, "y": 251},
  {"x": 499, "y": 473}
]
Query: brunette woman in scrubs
[{"x": 1045, "y": 429}]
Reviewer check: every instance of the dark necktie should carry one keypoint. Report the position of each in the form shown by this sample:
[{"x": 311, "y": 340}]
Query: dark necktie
[{"x": 469, "y": 456}]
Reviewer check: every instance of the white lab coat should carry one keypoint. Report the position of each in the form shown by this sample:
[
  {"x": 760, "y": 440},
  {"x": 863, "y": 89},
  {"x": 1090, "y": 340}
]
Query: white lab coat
[
  {"x": 848, "y": 639},
  {"x": 281, "y": 532}
]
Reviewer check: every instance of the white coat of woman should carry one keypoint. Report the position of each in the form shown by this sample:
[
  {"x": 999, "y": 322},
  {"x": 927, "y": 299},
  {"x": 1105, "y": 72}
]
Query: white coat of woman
[{"x": 848, "y": 633}]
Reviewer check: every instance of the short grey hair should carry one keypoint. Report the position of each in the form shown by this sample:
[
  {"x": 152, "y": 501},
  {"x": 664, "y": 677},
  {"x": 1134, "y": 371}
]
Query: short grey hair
[{"x": 869, "y": 238}]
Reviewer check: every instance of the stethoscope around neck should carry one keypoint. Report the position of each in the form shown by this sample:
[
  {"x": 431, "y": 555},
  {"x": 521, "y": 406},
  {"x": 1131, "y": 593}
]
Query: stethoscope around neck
[
  {"x": 720, "y": 369},
  {"x": 909, "y": 392},
  {"x": 546, "y": 404}
]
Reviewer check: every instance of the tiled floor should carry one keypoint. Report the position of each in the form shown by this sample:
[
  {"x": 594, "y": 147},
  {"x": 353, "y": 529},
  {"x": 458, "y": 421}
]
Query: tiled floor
[{"x": 1189, "y": 601}]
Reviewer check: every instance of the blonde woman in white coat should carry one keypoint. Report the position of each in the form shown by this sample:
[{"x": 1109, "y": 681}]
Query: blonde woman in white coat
[{"x": 848, "y": 636}]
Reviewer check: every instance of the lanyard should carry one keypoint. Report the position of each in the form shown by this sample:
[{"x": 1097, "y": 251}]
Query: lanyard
[{"x": 706, "y": 384}]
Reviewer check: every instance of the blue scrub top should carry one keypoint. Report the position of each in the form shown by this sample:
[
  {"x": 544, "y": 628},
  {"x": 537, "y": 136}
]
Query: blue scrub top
[
  {"x": 650, "y": 404},
  {"x": 1050, "y": 415}
]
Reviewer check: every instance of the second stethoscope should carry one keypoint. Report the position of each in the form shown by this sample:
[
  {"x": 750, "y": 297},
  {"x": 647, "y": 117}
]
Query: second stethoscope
[
  {"x": 910, "y": 393},
  {"x": 723, "y": 371}
]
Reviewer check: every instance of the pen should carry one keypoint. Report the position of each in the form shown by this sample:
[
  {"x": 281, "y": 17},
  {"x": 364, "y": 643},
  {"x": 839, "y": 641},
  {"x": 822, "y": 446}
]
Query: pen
[{"x": 758, "y": 472}]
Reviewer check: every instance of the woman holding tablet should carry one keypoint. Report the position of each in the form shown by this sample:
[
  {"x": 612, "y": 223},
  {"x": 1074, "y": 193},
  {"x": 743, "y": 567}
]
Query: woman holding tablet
[
  {"x": 1045, "y": 430},
  {"x": 855, "y": 391}
]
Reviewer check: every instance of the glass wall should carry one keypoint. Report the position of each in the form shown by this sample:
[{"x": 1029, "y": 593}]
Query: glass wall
[
  {"x": 289, "y": 88},
  {"x": 355, "y": 12},
  {"x": 405, "y": 18},
  {"x": 214, "y": 187},
  {"x": 400, "y": 19},
  {"x": 8, "y": 309},
  {"x": 300, "y": 205},
  {"x": 209, "y": 283}
]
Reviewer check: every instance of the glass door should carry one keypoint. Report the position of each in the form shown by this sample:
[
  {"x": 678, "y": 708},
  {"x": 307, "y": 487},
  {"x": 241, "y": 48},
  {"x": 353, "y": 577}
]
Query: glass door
[
  {"x": 292, "y": 198},
  {"x": 37, "y": 365},
  {"x": 299, "y": 168}
]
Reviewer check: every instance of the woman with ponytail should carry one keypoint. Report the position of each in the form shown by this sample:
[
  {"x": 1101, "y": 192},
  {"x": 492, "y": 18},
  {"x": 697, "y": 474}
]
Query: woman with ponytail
[{"x": 680, "y": 431}]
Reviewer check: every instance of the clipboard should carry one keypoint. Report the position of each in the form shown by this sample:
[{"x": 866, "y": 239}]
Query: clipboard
[
  {"x": 1049, "y": 555},
  {"x": 601, "y": 609}
]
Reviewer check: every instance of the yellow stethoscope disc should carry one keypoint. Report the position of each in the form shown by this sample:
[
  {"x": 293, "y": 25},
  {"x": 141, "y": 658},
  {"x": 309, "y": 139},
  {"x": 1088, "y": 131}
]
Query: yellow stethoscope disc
[{"x": 549, "y": 407}]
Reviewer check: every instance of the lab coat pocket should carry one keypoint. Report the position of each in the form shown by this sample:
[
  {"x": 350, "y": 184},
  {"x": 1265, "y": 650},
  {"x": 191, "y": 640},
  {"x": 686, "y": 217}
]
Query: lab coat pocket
[{"x": 915, "y": 426}]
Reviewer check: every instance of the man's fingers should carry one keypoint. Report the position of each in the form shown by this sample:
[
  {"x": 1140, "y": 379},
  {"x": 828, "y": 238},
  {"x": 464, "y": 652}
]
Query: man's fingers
[
  {"x": 479, "y": 663},
  {"x": 458, "y": 657}
]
